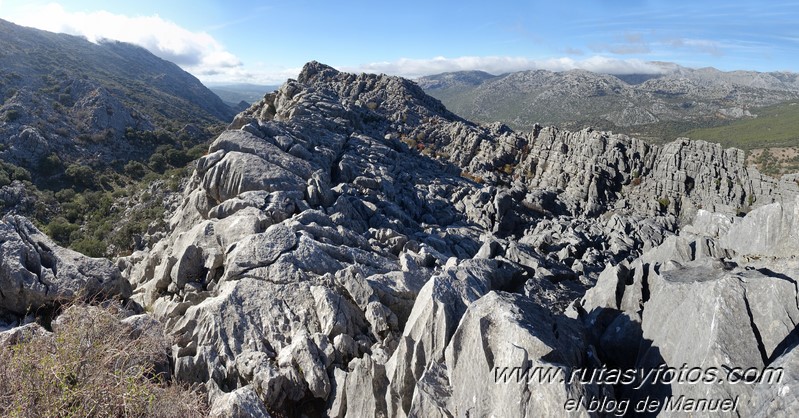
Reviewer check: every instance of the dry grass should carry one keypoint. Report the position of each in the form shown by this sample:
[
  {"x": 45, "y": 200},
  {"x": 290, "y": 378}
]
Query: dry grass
[
  {"x": 473, "y": 177},
  {"x": 92, "y": 365}
]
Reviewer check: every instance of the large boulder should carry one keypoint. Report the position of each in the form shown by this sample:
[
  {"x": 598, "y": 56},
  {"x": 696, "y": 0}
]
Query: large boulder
[
  {"x": 35, "y": 272},
  {"x": 500, "y": 337}
]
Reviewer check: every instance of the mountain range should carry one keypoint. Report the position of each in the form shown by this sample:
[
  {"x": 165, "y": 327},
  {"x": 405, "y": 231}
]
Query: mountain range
[
  {"x": 240, "y": 95},
  {"x": 348, "y": 246},
  {"x": 658, "y": 107}
]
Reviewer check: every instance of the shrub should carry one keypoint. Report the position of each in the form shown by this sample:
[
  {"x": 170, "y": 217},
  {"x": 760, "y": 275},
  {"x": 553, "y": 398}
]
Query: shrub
[
  {"x": 81, "y": 175},
  {"x": 664, "y": 202},
  {"x": 14, "y": 172},
  {"x": 91, "y": 247},
  {"x": 157, "y": 162},
  {"x": 50, "y": 164},
  {"x": 12, "y": 115},
  {"x": 60, "y": 230},
  {"x": 135, "y": 169},
  {"x": 92, "y": 364}
]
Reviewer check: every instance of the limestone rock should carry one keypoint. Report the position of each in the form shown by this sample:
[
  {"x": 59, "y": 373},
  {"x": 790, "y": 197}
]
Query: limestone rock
[
  {"x": 35, "y": 272},
  {"x": 241, "y": 403},
  {"x": 502, "y": 331},
  {"x": 349, "y": 247}
]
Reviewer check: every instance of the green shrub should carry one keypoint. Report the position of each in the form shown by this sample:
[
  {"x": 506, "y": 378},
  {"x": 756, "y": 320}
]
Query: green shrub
[
  {"x": 81, "y": 175},
  {"x": 60, "y": 230},
  {"x": 89, "y": 246},
  {"x": 157, "y": 162},
  {"x": 15, "y": 173},
  {"x": 12, "y": 115},
  {"x": 50, "y": 164},
  {"x": 664, "y": 202},
  {"x": 135, "y": 169}
]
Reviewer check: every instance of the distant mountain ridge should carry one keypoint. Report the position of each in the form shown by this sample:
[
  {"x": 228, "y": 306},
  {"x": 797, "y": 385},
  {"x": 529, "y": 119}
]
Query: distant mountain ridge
[
  {"x": 63, "y": 94},
  {"x": 235, "y": 93},
  {"x": 644, "y": 104}
]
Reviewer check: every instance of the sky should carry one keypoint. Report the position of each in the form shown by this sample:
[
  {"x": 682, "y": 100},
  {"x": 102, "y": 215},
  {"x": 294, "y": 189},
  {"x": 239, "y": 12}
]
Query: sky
[{"x": 266, "y": 42}]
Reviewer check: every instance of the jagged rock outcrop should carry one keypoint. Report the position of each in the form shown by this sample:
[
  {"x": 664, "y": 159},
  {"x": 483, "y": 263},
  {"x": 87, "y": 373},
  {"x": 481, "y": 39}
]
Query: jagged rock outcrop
[
  {"x": 350, "y": 248},
  {"x": 36, "y": 273},
  {"x": 701, "y": 301}
]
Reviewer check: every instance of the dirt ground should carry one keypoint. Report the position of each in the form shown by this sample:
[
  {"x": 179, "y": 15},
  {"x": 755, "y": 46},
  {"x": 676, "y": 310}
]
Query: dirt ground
[{"x": 783, "y": 160}]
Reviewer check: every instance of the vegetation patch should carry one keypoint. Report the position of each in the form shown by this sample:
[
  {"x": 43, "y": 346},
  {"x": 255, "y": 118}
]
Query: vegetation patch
[{"x": 92, "y": 365}]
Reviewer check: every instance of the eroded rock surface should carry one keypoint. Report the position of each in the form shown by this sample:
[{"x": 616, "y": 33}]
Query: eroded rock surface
[
  {"x": 35, "y": 272},
  {"x": 351, "y": 248}
]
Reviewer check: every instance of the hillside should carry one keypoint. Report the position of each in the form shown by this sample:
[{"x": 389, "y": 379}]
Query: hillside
[
  {"x": 656, "y": 107},
  {"x": 86, "y": 128},
  {"x": 771, "y": 140},
  {"x": 90, "y": 102}
]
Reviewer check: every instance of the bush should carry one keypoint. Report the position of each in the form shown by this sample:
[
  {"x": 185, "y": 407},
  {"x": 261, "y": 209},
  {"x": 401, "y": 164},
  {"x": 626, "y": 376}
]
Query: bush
[
  {"x": 60, "y": 230},
  {"x": 157, "y": 163},
  {"x": 12, "y": 115},
  {"x": 81, "y": 175},
  {"x": 91, "y": 247},
  {"x": 135, "y": 169},
  {"x": 92, "y": 364},
  {"x": 50, "y": 164},
  {"x": 14, "y": 172}
]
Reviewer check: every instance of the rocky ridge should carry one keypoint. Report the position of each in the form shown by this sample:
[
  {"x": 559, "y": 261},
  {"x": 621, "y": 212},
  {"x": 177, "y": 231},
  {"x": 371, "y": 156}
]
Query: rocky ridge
[{"x": 348, "y": 247}]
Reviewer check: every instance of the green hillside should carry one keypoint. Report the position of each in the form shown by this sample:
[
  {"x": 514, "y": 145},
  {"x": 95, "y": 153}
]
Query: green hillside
[{"x": 775, "y": 126}]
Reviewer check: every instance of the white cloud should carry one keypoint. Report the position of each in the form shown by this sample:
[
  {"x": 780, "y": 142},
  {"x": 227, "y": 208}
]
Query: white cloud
[
  {"x": 196, "y": 52},
  {"x": 704, "y": 46},
  {"x": 256, "y": 74},
  {"x": 497, "y": 65}
]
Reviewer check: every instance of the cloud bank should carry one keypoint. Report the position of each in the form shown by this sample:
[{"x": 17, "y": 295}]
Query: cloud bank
[{"x": 415, "y": 68}]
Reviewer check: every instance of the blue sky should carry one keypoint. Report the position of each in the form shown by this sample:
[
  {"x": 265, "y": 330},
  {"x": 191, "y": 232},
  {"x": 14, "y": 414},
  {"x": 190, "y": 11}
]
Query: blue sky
[{"x": 268, "y": 41}]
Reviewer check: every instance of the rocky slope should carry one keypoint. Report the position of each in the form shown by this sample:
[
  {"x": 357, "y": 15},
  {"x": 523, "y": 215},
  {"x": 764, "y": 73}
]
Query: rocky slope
[
  {"x": 649, "y": 104},
  {"x": 66, "y": 96},
  {"x": 349, "y": 247}
]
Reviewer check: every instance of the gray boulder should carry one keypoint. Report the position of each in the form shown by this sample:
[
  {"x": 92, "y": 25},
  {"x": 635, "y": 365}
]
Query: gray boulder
[
  {"x": 504, "y": 331},
  {"x": 36, "y": 272}
]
